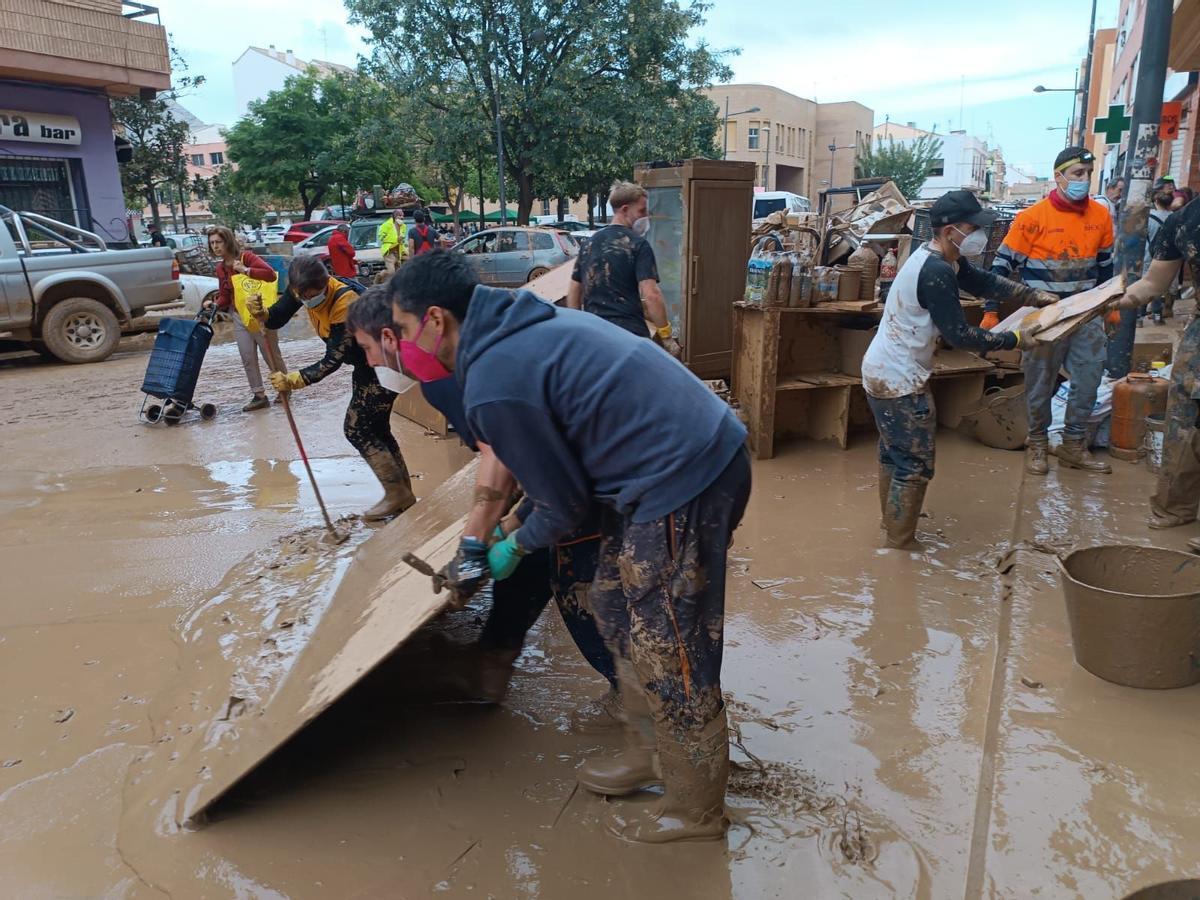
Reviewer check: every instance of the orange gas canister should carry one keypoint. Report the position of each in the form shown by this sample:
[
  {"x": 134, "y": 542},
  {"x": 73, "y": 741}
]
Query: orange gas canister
[{"x": 1135, "y": 397}]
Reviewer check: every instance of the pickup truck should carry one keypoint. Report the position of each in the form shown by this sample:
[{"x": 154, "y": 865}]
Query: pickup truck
[{"x": 64, "y": 294}]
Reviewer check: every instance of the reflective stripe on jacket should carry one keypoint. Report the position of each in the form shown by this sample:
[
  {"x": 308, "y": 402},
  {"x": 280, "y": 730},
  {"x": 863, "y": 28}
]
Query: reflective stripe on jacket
[{"x": 1058, "y": 250}]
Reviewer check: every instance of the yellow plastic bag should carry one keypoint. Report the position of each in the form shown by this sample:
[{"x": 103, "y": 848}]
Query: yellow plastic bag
[{"x": 243, "y": 287}]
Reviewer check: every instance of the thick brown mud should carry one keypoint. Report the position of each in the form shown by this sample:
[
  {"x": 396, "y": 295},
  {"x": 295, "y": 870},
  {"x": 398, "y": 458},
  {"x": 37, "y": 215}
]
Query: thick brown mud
[{"x": 904, "y": 725}]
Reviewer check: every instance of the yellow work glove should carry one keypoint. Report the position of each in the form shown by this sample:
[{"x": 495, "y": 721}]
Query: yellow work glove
[
  {"x": 254, "y": 306},
  {"x": 287, "y": 381}
]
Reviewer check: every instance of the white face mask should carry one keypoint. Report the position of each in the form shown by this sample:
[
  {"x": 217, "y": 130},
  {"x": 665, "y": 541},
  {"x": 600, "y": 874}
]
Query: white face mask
[
  {"x": 641, "y": 227},
  {"x": 393, "y": 379},
  {"x": 974, "y": 243}
]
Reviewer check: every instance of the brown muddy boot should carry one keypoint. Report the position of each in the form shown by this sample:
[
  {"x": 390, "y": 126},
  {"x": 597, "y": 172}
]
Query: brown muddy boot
[
  {"x": 1073, "y": 454},
  {"x": 634, "y": 768},
  {"x": 904, "y": 509},
  {"x": 1167, "y": 520},
  {"x": 601, "y": 715},
  {"x": 397, "y": 489},
  {"x": 1037, "y": 454},
  {"x": 692, "y": 807}
]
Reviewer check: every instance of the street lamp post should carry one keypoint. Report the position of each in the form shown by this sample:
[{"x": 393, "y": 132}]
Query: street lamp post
[
  {"x": 833, "y": 149},
  {"x": 725, "y": 125}
]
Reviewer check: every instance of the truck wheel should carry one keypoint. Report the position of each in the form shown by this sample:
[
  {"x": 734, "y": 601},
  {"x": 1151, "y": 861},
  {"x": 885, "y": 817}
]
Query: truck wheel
[{"x": 81, "y": 330}]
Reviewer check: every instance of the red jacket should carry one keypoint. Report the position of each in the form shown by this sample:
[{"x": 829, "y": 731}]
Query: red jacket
[
  {"x": 341, "y": 256},
  {"x": 259, "y": 270}
]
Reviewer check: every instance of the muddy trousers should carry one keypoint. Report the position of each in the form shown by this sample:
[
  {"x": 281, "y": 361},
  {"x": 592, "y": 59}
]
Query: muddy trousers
[
  {"x": 1178, "y": 489},
  {"x": 368, "y": 422},
  {"x": 659, "y": 598},
  {"x": 250, "y": 344},
  {"x": 907, "y": 426},
  {"x": 576, "y": 559},
  {"x": 1083, "y": 355}
]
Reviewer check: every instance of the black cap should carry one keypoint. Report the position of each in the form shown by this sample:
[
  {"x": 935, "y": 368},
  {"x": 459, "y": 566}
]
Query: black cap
[
  {"x": 959, "y": 206},
  {"x": 1165, "y": 181},
  {"x": 1073, "y": 155}
]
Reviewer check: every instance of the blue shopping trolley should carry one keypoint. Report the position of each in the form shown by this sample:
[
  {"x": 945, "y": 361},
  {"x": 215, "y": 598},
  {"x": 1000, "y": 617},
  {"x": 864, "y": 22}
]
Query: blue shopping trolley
[{"x": 174, "y": 368}]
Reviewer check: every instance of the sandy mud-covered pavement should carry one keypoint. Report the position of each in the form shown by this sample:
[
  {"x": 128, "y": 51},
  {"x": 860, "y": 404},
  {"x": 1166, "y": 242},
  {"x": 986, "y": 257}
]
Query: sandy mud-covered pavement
[{"x": 906, "y": 725}]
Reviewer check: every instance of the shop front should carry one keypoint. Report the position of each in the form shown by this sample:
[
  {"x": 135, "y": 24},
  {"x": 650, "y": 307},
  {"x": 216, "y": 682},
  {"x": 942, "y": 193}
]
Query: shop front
[{"x": 58, "y": 159}]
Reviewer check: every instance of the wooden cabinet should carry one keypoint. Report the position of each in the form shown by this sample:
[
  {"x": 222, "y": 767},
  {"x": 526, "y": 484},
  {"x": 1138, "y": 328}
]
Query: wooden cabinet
[{"x": 700, "y": 231}]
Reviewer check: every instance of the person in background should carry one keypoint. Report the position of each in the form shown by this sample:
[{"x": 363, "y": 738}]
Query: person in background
[
  {"x": 234, "y": 260},
  {"x": 922, "y": 306},
  {"x": 341, "y": 252},
  {"x": 393, "y": 241},
  {"x": 1177, "y": 493},
  {"x": 1062, "y": 245},
  {"x": 1164, "y": 194},
  {"x": 368, "y": 417},
  {"x": 547, "y": 390},
  {"x": 1183, "y": 196},
  {"x": 1111, "y": 200},
  {"x": 616, "y": 271},
  {"x": 422, "y": 238},
  {"x": 156, "y": 237}
]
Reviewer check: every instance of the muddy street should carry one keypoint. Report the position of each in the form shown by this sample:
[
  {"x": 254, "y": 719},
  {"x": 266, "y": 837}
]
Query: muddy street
[{"x": 905, "y": 725}]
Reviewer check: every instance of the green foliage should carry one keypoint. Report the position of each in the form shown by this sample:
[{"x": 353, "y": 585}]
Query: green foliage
[
  {"x": 157, "y": 138},
  {"x": 317, "y": 133},
  {"x": 907, "y": 163},
  {"x": 232, "y": 203},
  {"x": 586, "y": 87}
]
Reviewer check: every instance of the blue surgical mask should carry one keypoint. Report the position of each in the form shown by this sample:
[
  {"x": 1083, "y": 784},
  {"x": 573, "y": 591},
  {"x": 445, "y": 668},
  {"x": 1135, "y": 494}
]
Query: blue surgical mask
[{"x": 1076, "y": 190}]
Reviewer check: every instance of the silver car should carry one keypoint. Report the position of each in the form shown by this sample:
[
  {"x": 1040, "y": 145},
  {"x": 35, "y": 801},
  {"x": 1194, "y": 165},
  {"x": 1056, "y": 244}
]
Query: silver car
[{"x": 511, "y": 257}]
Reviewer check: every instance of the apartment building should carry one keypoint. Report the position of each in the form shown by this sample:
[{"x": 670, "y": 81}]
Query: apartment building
[
  {"x": 258, "y": 71},
  {"x": 964, "y": 161},
  {"x": 788, "y": 137},
  {"x": 60, "y": 63}
]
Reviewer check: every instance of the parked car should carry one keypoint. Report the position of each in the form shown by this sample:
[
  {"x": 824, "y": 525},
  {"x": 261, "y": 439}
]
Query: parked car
[
  {"x": 65, "y": 294},
  {"x": 510, "y": 257},
  {"x": 303, "y": 230},
  {"x": 569, "y": 226},
  {"x": 317, "y": 245},
  {"x": 767, "y": 202},
  {"x": 186, "y": 241},
  {"x": 364, "y": 238},
  {"x": 196, "y": 290}
]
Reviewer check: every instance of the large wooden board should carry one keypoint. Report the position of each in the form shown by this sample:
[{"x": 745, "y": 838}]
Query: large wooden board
[
  {"x": 1064, "y": 318},
  {"x": 228, "y": 711}
]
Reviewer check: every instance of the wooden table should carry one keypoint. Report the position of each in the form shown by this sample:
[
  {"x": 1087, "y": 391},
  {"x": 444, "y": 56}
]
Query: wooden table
[{"x": 796, "y": 372}]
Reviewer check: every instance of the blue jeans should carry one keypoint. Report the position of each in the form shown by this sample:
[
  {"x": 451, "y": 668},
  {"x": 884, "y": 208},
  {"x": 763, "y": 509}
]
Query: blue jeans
[
  {"x": 906, "y": 436},
  {"x": 1083, "y": 354}
]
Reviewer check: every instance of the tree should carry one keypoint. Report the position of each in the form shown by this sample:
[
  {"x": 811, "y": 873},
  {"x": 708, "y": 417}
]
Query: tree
[
  {"x": 157, "y": 138},
  {"x": 908, "y": 164},
  {"x": 232, "y": 203},
  {"x": 316, "y": 134},
  {"x": 572, "y": 79}
]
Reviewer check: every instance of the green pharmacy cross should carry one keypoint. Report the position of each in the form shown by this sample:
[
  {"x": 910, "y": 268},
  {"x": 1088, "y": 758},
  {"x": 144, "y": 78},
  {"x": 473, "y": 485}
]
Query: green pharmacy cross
[{"x": 1115, "y": 124}]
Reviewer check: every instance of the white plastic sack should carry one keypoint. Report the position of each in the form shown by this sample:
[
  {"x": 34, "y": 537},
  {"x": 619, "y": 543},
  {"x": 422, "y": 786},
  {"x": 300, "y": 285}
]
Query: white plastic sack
[{"x": 1097, "y": 421}]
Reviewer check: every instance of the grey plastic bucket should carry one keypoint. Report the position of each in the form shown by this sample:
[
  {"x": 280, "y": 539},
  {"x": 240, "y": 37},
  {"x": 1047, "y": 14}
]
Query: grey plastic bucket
[{"x": 1135, "y": 614}]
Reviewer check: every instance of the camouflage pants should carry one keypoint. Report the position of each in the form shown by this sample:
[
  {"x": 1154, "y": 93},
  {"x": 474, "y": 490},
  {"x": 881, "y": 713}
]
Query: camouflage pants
[
  {"x": 368, "y": 422},
  {"x": 659, "y": 598},
  {"x": 907, "y": 426},
  {"x": 1179, "y": 479},
  {"x": 1083, "y": 354}
]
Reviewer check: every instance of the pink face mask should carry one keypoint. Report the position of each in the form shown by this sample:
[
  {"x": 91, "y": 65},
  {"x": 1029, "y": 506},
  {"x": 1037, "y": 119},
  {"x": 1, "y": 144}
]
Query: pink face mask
[{"x": 422, "y": 364}]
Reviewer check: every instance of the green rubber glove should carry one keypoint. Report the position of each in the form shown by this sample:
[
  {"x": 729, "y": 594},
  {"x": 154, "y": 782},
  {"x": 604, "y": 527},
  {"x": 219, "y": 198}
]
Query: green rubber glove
[{"x": 504, "y": 557}]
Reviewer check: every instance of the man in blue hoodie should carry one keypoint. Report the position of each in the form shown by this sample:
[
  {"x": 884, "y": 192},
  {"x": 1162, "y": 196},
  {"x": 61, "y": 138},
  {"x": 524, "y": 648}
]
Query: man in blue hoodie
[{"x": 550, "y": 391}]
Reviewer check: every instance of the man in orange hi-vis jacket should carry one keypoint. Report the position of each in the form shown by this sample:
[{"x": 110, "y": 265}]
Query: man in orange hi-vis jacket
[{"x": 1063, "y": 245}]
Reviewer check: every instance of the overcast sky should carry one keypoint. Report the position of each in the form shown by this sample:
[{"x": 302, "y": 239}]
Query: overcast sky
[{"x": 911, "y": 61}]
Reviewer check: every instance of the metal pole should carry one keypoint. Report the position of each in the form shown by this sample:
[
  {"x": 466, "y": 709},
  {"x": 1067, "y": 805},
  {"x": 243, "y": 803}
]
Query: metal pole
[
  {"x": 1141, "y": 161},
  {"x": 499, "y": 145},
  {"x": 479, "y": 163},
  {"x": 1085, "y": 97},
  {"x": 832, "y": 153},
  {"x": 767, "y": 166},
  {"x": 725, "y": 127}
]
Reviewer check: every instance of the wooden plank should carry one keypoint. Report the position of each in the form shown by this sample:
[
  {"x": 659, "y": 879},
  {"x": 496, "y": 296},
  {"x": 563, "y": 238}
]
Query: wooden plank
[
  {"x": 413, "y": 406},
  {"x": 805, "y": 380},
  {"x": 1064, "y": 318},
  {"x": 554, "y": 284},
  {"x": 769, "y": 369},
  {"x": 953, "y": 362},
  {"x": 226, "y": 716},
  {"x": 850, "y": 306}
]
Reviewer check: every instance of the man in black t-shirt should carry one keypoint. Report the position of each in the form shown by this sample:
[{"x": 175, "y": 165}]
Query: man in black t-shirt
[
  {"x": 1178, "y": 492},
  {"x": 615, "y": 271}
]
